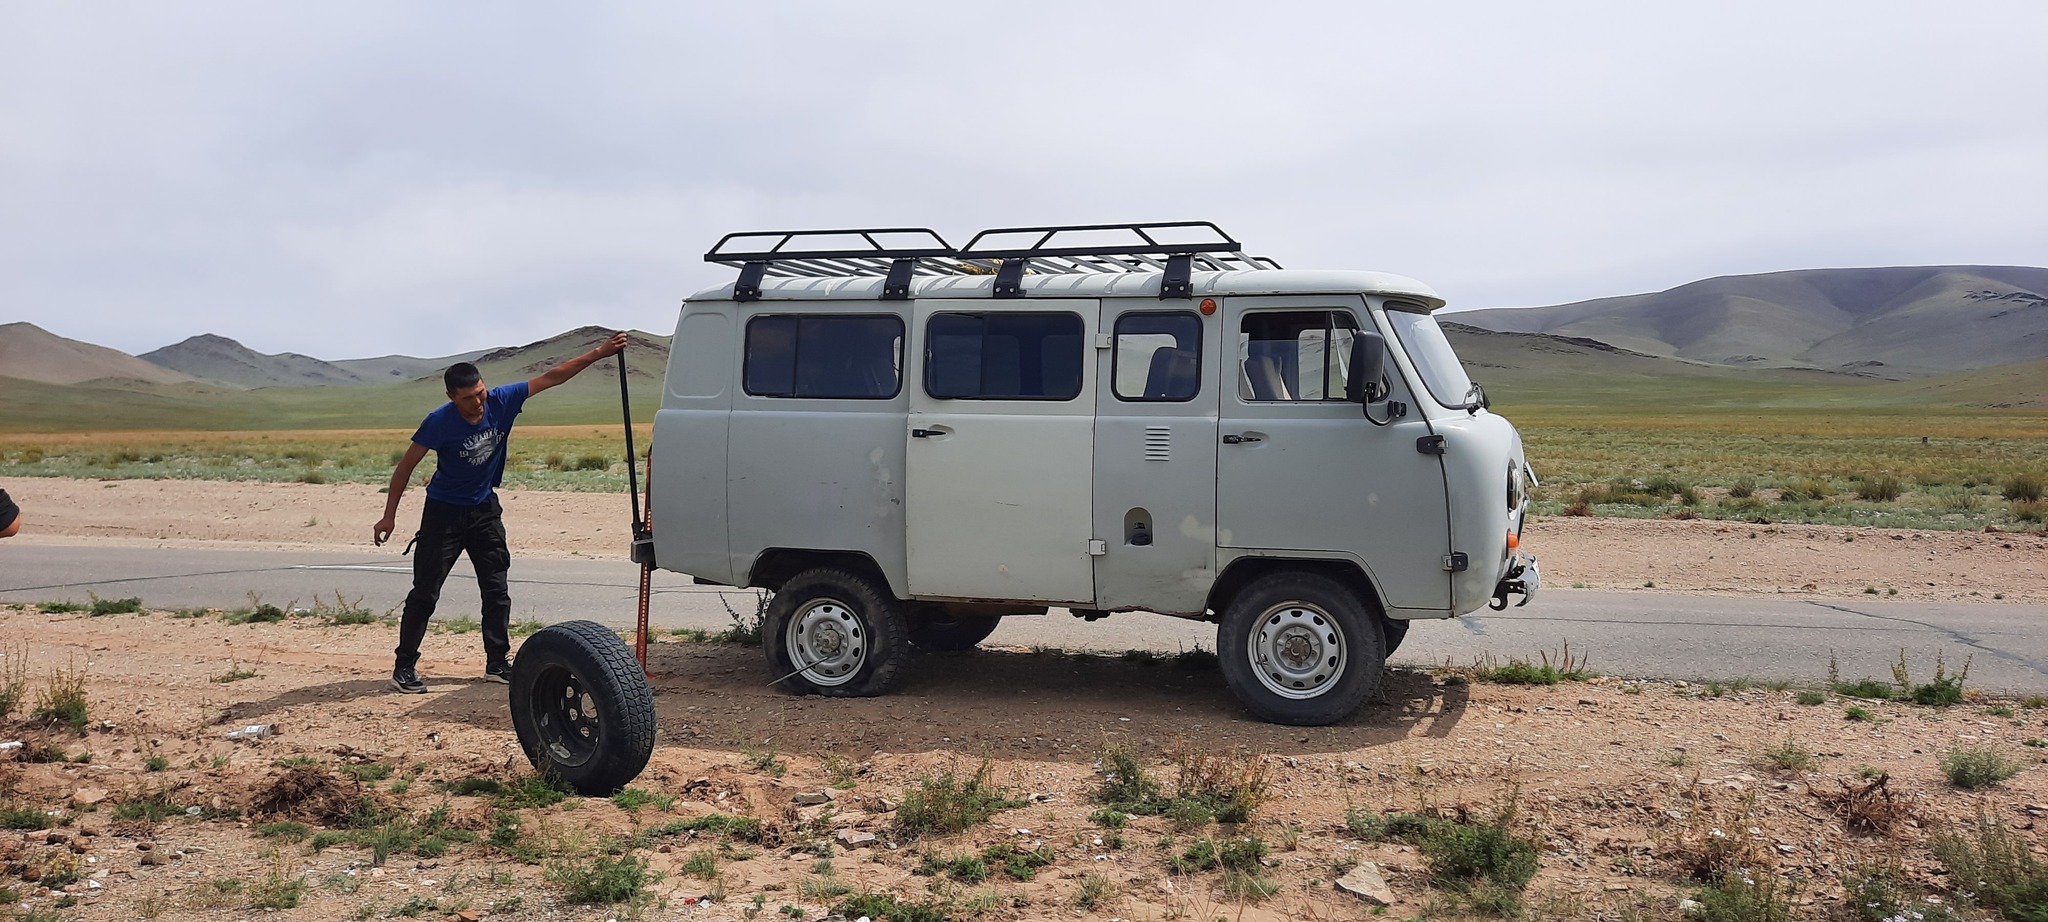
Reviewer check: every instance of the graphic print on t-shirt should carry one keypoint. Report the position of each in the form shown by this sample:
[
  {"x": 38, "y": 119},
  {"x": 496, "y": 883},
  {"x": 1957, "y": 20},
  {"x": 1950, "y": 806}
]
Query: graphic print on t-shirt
[{"x": 478, "y": 448}]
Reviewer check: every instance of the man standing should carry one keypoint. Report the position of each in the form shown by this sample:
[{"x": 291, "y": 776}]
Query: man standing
[{"x": 467, "y": 435}]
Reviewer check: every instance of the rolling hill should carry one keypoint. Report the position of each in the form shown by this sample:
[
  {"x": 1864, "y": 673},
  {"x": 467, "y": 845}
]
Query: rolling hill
[
  {"x": 31, "y": 353},
  {"x": 1892, "y": 322},
  {"x": 224, "y": 361}
]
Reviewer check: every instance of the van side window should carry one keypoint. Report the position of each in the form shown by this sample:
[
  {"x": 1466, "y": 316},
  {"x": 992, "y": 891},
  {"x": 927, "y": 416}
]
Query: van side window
[
  {"x": 1003, "y": 356},
  {"x": 1294, "y": 355},
  {"x": 824, "y": 356},
  {"x": 1158, "y": 356}
]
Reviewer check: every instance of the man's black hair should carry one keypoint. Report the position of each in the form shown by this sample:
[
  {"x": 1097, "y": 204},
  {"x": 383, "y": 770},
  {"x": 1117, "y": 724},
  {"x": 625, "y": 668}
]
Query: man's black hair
[
  {"x": 8, "y": 511},
  {"x": 461, "y": 376}
]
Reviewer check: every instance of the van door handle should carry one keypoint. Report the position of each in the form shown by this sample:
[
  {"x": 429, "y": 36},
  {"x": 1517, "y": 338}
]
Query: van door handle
[
  {"x": 926, "y": 433},
  {"x": 1241, "y": 439}
]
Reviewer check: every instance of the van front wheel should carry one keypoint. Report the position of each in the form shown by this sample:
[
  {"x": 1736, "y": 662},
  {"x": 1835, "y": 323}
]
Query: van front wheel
[
  {"x": 1301, "y": 648},
  {"x": 832, "y": 632}
]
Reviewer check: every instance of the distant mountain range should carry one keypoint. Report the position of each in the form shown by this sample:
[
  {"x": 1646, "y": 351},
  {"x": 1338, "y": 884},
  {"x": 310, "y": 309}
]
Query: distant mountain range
[
  {"x": 1893, "y": 322},
  {"x": 221, "y": 360},
  {"x": 1954, "y": 335}
]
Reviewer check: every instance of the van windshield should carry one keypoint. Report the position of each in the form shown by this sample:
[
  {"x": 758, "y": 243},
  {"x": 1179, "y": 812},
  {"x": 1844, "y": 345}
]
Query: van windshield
[{"x": 1434, "y": 359}]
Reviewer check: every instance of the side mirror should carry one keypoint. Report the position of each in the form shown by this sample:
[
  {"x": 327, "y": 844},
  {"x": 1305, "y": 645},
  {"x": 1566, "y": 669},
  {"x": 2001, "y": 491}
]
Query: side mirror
[{"x": 1368, "y": 365}]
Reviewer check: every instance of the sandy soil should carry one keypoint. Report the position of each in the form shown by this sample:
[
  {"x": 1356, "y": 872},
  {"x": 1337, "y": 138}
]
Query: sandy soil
[
  {"x": 1624, "y": 787},
  {"x": 1677, "y": 556}
]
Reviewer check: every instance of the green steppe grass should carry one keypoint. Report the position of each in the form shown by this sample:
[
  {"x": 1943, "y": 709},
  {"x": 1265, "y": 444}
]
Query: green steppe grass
[
  {"x": 566, "y": 458},
  {"x": 1645, "y": 464}
]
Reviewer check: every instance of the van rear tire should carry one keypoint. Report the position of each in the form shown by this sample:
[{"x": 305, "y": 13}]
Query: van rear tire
[
  {"x": 942, "y": 633},
  {"x": 836, "y": 633},
  {"x": 1301, "y": 648}
]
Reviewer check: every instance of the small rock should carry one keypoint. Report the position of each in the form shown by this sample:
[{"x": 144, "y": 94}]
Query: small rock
[
  {"x": 154, "y": 859},
  {"x": 1588, "y": 701},
  {"x": 854, "y": 838},
  {"x": 1365, "y": 882},
  {"x": 86, "y": 797},
  {"x": 468, "y": 915},
  {"x": 811, "y": 798},
  {"x": 1689, "y": 906},
  {"x": 80, "y": 844}
]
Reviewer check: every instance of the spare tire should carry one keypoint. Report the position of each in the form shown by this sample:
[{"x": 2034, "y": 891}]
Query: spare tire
[{"x": 582, "y": 707}]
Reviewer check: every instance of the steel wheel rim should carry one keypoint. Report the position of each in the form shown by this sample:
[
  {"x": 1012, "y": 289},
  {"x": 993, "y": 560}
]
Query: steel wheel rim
[
  {"x": 827, "y": 642},
  {"x": 1297, "y": 650},
  {"x": 565, "y": 717}
]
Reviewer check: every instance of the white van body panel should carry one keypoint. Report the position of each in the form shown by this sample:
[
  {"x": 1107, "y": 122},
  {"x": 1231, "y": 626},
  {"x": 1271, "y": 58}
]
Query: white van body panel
[
  {"x": 999, "y": 490},
  {"x": 1043, "y": 501}
]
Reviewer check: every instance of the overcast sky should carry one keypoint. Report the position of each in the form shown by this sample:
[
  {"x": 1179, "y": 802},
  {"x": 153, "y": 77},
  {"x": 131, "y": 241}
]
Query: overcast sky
[{"x": 357, "y": 179}]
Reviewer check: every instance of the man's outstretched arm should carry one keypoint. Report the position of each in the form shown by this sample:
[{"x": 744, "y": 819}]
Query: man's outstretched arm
[
  {"x": 563, "y": 372},
  {"x": 399, "y": 478}
]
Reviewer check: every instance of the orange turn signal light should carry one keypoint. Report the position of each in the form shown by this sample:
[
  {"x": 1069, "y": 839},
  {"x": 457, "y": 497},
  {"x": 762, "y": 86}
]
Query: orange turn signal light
[{"x": 1514, "y": 541}]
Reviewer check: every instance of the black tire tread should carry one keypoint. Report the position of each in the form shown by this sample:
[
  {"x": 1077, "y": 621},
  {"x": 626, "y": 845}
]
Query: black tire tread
[
  {"x": 883, "y": 613},
  {"x": 629, "y": 718},
  {"x": 951, "y": 635},
  {"x": 1366, "y": 635}
]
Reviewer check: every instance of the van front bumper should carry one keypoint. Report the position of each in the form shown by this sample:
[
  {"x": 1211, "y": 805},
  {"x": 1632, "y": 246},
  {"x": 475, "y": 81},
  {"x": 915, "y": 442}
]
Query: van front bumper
[{"x": 1522, "y": 579}]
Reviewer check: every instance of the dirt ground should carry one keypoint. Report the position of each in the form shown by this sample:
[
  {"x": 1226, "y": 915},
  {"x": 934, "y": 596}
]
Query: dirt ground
[{"x": 1625, "y": 787}]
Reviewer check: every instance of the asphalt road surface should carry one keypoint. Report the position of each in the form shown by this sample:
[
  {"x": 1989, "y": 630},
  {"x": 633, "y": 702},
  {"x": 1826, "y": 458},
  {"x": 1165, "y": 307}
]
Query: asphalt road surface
[{"x": 1633, "y": 634}]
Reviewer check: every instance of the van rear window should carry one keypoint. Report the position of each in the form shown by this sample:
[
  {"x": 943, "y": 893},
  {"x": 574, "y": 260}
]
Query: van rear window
[
  {"x": 824, "y": 356},
  {"x": 1022, "y": 356}
]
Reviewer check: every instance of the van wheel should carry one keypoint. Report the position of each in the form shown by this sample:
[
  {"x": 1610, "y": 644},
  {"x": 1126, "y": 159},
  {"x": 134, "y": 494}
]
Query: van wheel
[
  {"x": 941, "y": 633},
  {"x": 582, "y": 707},
  {"x": 1301, "y": 648},
  {"x": 831, "y": 632}
]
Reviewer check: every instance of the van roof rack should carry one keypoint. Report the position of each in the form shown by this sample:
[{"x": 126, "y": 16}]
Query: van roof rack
[{"x": 1174, "y": 249}]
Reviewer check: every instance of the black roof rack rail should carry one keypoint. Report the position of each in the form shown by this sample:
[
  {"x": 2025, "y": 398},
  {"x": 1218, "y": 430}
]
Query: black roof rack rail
[
  {"x": 896, "y": 263},
  {"x": 1143, "y": 250},
  {"x": 1174, "y": 249}
]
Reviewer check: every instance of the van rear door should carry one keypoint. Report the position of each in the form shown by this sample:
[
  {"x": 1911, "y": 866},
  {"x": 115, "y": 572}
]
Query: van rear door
[{"x": 1002, "y": 417}]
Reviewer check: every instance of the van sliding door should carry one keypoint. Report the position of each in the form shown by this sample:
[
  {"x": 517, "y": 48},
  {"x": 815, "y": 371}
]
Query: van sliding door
[{"x": 1002, "y": 417}]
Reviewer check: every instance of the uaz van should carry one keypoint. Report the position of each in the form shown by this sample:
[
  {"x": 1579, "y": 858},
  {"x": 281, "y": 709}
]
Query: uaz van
[{"x": 906, "y": 441}]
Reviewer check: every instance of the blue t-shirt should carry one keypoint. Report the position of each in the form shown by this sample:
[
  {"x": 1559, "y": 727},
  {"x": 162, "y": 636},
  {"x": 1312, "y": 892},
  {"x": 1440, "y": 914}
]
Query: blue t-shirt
[{"x": 471, "y": 457}]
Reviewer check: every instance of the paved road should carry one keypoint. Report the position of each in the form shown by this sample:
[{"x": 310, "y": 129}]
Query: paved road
[{"x": 1637, "y": 634}]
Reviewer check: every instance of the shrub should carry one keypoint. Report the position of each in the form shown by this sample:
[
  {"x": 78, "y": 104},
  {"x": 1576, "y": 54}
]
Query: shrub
[
  {"x": 1865, "y": 688},
  {"x": 2023, "y": 487},
  {"x": 1810, "y": 697},
  {"x": 946, "y": 805},
  {"x": 1788, "y": 756},
  {"x": 1880, "y": 489},
  {"x": 1813, "y": 489},
  {"x": 591, "y": 463},
  {"x": 600, "y": 880},
  {"x": 1461, "y": 856},
  {"x": 1973, "y": 767},
  {"x": 2030, "y": 510},
  {"x": 62, "y": 700},
  {"x": 128, "y": 606},
  {"x": 883, "y": 906},
  {"x": 1739, "y": 895},
  {"x": 1996, "y": 867},
  {"x": 1520, "y": 671},
  {"x": 1742, "y": 487}
]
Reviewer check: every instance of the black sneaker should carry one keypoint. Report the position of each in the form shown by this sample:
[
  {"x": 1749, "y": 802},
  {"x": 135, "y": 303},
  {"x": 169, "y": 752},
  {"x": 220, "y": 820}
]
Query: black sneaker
[
  {"x": 406, "y": 680},
  {"x": 499, "y": 672}
]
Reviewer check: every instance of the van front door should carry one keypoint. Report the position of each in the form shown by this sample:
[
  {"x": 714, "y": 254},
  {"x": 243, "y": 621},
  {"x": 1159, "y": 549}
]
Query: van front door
[
  {"x": 1002, "y": 419},
  {"x": 1300, "y": 469}
]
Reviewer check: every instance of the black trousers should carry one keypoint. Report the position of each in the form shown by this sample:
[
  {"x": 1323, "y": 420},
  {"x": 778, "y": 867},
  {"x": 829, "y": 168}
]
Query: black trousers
[{"x": 447, "y": 531}]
